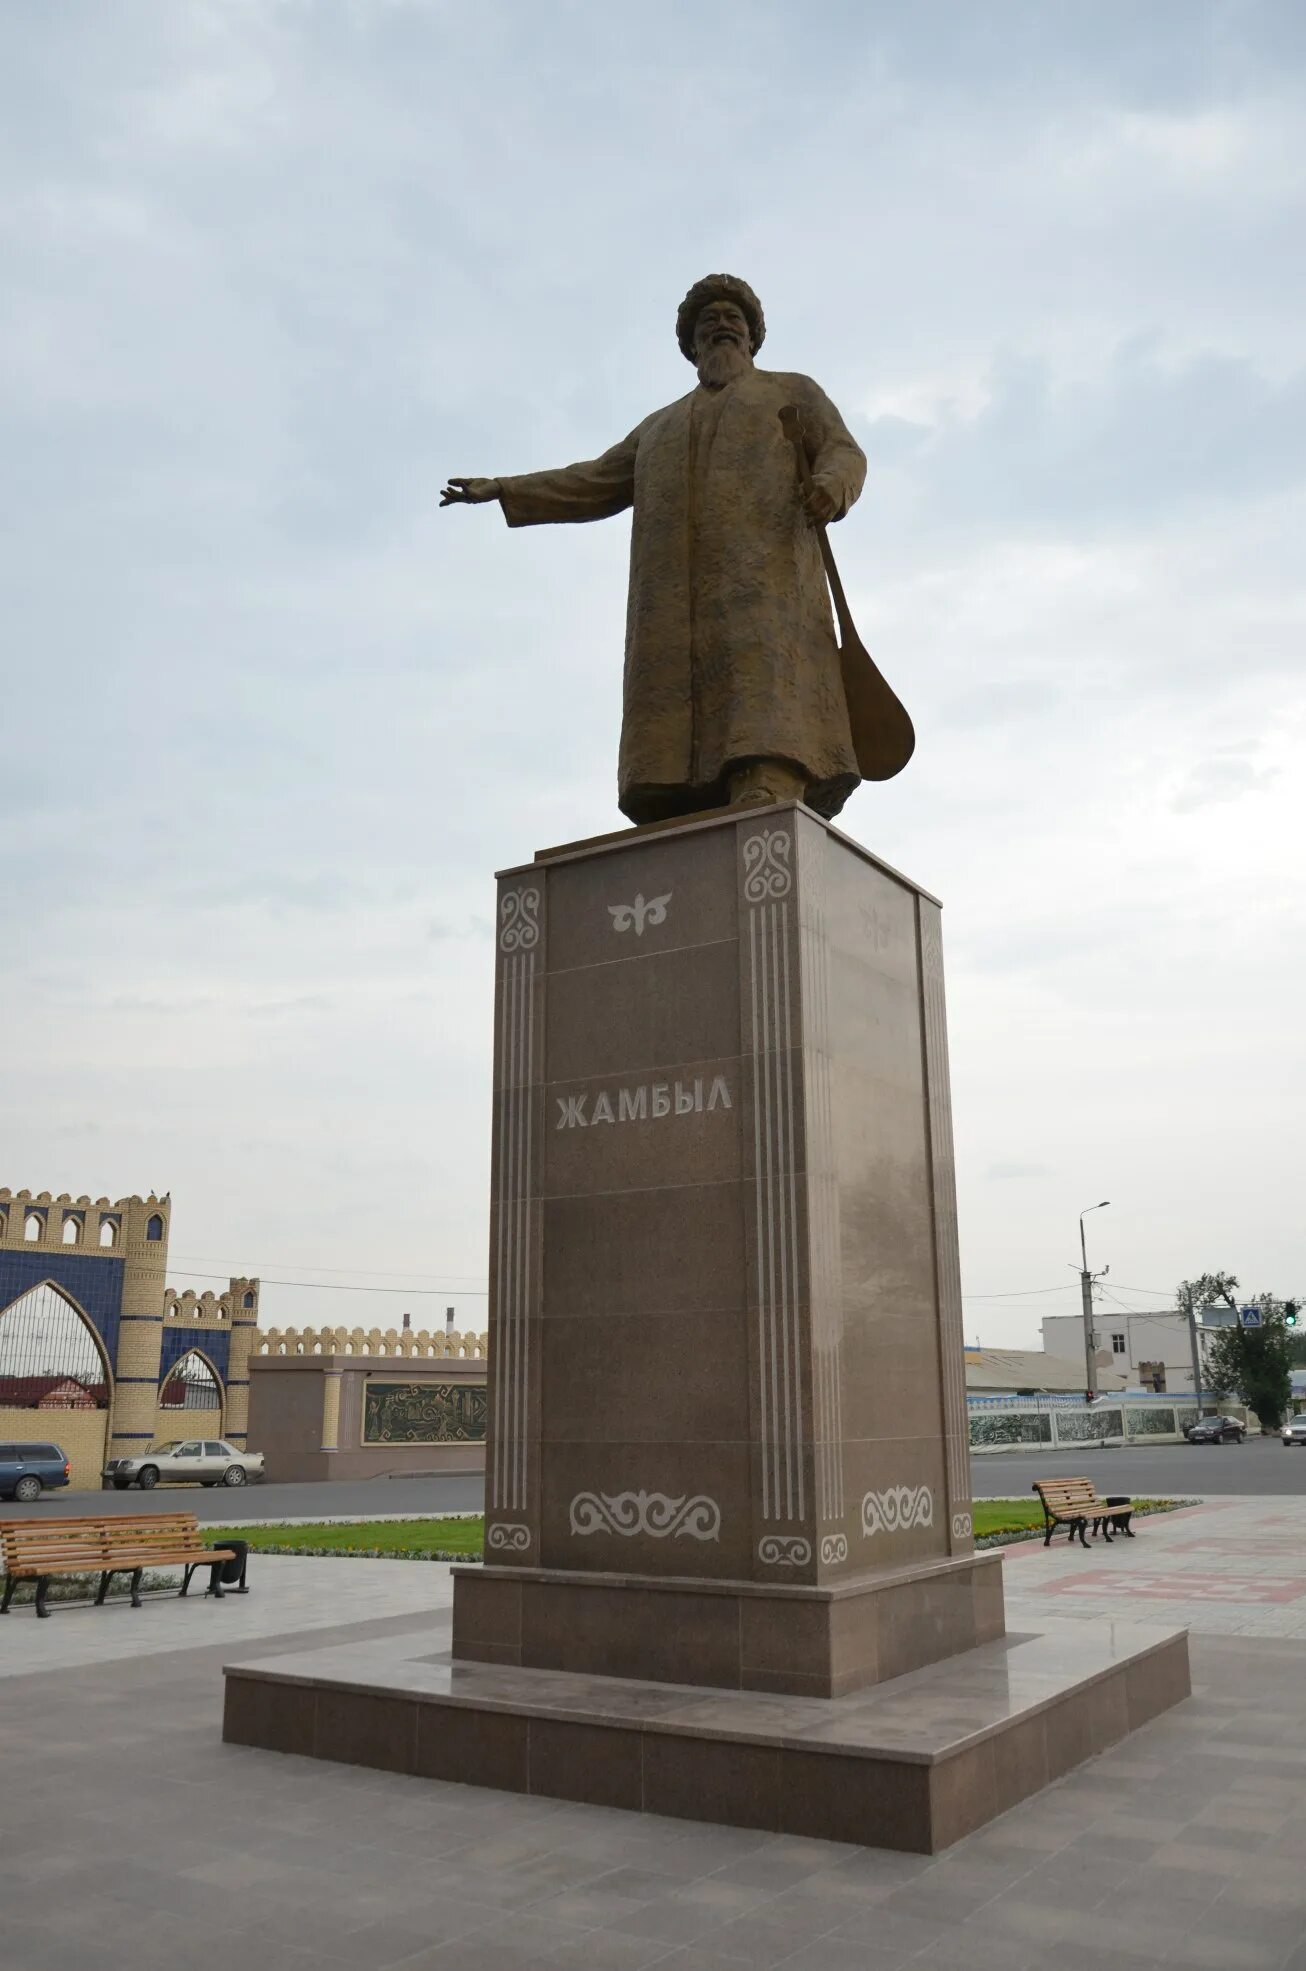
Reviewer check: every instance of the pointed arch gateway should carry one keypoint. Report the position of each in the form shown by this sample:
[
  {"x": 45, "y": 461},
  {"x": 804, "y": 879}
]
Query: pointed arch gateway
[
  {"x": 193, "y": 1386},
  {"x": 56, "y": 1384}
]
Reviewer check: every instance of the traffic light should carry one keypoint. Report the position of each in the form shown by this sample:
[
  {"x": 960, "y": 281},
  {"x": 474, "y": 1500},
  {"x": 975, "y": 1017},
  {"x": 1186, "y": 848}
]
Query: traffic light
[{"x": 1289, "y": 1313}]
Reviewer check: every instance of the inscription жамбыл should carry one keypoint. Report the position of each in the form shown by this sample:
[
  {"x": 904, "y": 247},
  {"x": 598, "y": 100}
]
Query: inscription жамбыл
[{"x": 648, "y": 1102}]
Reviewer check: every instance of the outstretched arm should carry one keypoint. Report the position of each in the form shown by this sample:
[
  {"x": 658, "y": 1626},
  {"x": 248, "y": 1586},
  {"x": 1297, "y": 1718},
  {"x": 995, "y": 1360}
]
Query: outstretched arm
[{"x": 592, "y": 490}]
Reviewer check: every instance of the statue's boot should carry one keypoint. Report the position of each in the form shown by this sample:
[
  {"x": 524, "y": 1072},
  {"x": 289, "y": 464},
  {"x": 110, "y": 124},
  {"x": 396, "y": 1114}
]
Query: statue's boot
[{"x": 759, "y": 782}]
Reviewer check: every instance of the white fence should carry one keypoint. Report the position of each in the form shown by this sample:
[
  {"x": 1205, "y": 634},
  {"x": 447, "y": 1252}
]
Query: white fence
[{"x": 1031, "y": 1424}]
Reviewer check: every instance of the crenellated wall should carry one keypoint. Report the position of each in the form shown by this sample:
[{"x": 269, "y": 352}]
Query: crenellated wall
[{"x": 415, "y": 1343}]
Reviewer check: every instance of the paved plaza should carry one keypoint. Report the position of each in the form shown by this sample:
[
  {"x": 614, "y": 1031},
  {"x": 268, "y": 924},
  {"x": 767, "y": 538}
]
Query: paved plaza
[{"x": 132, "y": 1837}]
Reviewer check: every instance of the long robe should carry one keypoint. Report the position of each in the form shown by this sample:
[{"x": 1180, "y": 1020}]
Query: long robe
[{"x": 730, "y": 646}]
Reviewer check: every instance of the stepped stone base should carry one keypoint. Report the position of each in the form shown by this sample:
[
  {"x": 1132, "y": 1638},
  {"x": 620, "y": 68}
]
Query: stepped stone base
[
  {"x": 913, "y": 1763},
  {"x": 739, "y": 1635}
]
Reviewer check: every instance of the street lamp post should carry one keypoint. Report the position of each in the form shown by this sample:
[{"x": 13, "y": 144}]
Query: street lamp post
[{"x": 1086, "y": 1295}]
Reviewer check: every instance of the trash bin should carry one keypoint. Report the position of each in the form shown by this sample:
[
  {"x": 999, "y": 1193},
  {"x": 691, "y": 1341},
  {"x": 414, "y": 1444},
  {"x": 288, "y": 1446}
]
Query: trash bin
[{"x": 230, "y": 1573}]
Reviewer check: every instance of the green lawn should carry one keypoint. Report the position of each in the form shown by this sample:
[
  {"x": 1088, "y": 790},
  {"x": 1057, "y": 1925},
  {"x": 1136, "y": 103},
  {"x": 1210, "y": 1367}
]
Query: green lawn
[
  {"x": 417, "y": 1539},
  {"x": 454, "y": 1539}
]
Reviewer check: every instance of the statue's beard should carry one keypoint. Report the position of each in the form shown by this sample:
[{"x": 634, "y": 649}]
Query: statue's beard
[{"x": 721, "y": 362}]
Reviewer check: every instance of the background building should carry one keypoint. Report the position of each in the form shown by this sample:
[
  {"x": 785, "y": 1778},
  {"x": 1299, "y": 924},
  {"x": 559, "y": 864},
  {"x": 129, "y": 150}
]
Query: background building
[
  {"x": 1031, "y": 1372},
  {"x": 1152, "y": 1351},
  {"x": 100, "y": 1356},
  {"x": 96, "y": 1352}
]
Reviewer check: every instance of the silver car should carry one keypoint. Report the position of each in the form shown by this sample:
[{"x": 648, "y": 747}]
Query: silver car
[
  {"x": 1294, "y": 1431},
  {"x": 185, "y": 1461}
]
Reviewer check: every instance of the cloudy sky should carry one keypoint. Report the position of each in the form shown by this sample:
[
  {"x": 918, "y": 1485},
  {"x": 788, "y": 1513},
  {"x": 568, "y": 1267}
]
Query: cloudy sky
[{"x": 269, "y": 271}]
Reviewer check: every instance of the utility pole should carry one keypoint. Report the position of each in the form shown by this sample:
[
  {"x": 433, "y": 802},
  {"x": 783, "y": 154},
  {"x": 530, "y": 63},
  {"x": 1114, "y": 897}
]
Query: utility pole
[
  {"x": 1086, "y": 1294},
  {"x": 1196, "y": 1353}
]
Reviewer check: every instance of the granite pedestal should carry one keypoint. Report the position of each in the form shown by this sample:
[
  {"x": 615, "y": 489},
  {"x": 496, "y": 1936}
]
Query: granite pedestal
[
  {"x": 728, "y": 1442},
  {"x": 726, "y": 1315}
]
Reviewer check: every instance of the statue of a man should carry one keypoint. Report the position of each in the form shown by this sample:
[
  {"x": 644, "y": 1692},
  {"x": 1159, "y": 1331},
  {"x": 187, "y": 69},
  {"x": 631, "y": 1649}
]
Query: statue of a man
[{"x": 733, "y": 690}]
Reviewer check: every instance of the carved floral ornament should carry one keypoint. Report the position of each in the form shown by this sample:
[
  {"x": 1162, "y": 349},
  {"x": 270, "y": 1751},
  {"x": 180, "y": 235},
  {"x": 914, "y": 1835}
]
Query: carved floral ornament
[
  {"x": 834, "y": 1548},
  {"x": 651, "y": 1513},
  {"x": 628, "y": 916},
  {"x": 508, "y": 1536},
  {"x": 783, "y": 1550},
  {"x": 897, "y": 1509},
  {"x": 963, "y": 1527},
  {"x": 767, "y": 871},
  {"x": 519, "y": 920}
]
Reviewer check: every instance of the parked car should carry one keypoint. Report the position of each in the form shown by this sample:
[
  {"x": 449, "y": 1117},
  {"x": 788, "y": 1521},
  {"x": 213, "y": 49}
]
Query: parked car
[
  {"x": 185, "y": 1461},
  {"x": 27, "y": 1470},
  {"x": 1294, "y": 1431},
  {"x": 1215, "y": 1430}
]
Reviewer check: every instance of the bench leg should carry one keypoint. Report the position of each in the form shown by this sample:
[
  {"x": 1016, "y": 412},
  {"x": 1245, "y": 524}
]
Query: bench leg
[
  {"x": 104, "y": 1589},
  {"x": 243, "y": 1589},
  {"x": 185, "y": 1579},
  {"x": 1080, "y": 1526},
  {"x": 215, "y": 1580},
  {"x": 42, "y": 1584},
  {"x": 1123, "y": 1526},
  {"x": 1047, "y": 1537},
  {"x": 136, "y": 1586},
  {"x": 10, "y": 1584}
]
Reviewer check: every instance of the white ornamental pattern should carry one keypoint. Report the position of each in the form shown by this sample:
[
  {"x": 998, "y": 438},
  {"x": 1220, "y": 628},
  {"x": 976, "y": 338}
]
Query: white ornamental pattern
[
  {"x": 962, "y": 1526},
  {"x": 766, "y": 883},
  {"x": 767, "y": 872},
  {"x": 825, "y": 1283},
  {"x": 519, "y": 920},
  {"x": 639, "y": 913},
  {"x": 505, "y": 1537},
  {"x": 784, "y": 1550},
  {"x": 834, "y": 1548},
  {"x": 897, "y": 1509},
  {"x": 651, "y": 1513},
  {"x": 515, "y": 1153}
]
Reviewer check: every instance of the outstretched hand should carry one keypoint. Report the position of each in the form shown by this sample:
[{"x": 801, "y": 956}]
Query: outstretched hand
[{"x": 469, "y": 492}]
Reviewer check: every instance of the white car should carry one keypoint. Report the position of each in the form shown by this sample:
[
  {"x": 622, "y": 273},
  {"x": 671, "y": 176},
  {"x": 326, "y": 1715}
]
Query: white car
[
  {"x": 1294, "y": 1431},
  {"x": 185, "y": 1461}
]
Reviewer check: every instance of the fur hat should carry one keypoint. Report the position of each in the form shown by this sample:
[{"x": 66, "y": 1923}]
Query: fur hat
[{"x": 719, "y": 287}]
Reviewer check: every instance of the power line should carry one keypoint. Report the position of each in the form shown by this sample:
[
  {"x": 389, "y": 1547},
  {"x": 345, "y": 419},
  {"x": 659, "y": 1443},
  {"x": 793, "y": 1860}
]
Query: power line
[
  {"x": 333, "y": 1286},
  {"x": 1020, "y": 1293},
  {"x": 310, "y": 1266},
  {"x": 454, "y": 1287},
  {"x": 482, "y": 1293}
]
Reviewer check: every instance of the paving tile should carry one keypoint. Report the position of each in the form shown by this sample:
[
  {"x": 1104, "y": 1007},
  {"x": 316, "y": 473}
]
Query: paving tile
[
  {"x": 839, "y": 1954},
  {"x": 1182, "y": 1845},
  {"x": 695, "y": 1958}
]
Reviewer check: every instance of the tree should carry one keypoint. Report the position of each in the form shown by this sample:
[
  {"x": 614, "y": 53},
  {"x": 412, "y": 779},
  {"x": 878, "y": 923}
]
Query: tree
[
  {"x": 1206, "y": 1290},
  {"x": 1254, "y": 1363}
]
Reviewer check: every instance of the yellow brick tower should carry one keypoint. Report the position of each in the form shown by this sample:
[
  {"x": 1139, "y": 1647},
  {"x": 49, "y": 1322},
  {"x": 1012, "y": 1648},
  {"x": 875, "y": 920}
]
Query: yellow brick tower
[
  {"x": 143, "y": 1241},
  {"x": 243, "y": 1295}
]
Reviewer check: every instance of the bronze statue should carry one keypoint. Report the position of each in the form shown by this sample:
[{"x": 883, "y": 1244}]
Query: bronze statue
[{"x": 735, "y": 687}]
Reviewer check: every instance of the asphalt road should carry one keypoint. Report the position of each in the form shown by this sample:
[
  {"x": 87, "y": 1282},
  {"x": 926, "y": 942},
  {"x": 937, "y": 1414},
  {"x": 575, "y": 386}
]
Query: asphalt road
[
  {"x": 383, "y": 1497},
  {"x": 1261, "y": 1465}
]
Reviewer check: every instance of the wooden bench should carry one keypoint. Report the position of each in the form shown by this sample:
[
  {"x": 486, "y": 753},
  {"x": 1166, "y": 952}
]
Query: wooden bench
[
  {"x": 1074, "y": 1502},
  {"x": 41, "y": 1549}
]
